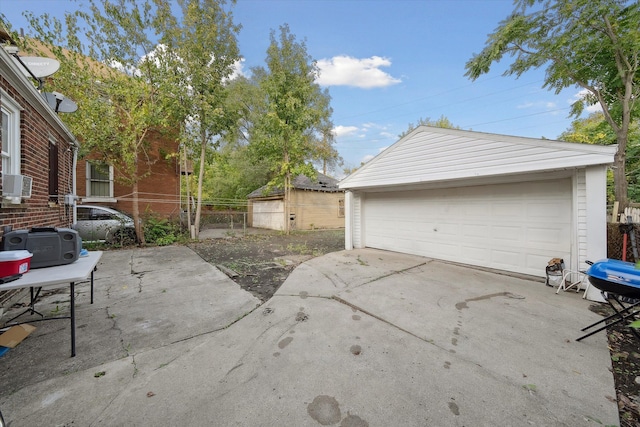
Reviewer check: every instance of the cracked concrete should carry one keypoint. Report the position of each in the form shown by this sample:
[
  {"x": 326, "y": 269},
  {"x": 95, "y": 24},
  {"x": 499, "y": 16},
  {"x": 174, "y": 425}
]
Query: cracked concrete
[
  {"x": 134, "y": 310},
  {"x": 361, "y": 338}
]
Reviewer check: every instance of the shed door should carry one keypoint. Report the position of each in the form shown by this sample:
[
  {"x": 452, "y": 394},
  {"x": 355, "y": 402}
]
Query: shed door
[
  {"x": 515, "y": 227},
  {"x": 268, "y": 214}
]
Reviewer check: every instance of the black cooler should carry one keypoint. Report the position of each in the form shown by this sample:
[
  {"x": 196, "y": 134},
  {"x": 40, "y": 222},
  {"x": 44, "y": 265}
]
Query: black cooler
[{"x": 49, "y": 246}]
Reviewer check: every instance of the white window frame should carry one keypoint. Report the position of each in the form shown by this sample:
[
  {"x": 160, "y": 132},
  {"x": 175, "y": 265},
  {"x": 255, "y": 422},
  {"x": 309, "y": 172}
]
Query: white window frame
[
  {"x": 91, "y": 198},
  {"x": 11, "y": 157}
]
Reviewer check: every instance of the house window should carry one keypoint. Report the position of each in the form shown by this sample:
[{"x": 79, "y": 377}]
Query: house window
[
  {"x": 53, "y": 171},
  {"x": 99, "y": 180},
  {"x": 341, "y": 208},
  {"x": 10, "y": 135}
]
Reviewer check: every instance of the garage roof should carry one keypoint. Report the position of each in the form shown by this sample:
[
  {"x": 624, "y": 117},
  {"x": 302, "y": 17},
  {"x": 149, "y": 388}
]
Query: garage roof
[
  {"x": 322, "y": 183},
  {"x": 430, "y": 154}
]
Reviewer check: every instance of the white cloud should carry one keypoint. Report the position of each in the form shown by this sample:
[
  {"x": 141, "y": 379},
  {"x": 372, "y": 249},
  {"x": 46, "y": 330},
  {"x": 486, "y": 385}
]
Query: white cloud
[
  {"x": 238, "y": 70},
  {"x": 583, "y": 94},
  {"x": 364, "y": 73},
  {"x": 339, "y": 131},
  {"x": 540, "y": 104},
  {"x": 368, "y": 157}
]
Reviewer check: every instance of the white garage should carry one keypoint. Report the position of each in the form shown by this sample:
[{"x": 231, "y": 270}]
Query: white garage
[{"x": 495, "y": 201}]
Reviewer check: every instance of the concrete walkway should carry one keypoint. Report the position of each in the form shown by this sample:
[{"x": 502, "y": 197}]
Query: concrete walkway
[{"x": 352, "y": 338}]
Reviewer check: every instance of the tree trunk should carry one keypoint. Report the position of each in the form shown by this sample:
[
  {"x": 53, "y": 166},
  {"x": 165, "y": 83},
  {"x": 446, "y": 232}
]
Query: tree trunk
[
  {"x": 188, "y": 189},
  {"x": 136, "y": 215},
  {"x": 619, "y": 169},
  {"x": 203, "y": 151},
  {"x": 287, "y": 185},
  {"x": 287, "y": 203}
]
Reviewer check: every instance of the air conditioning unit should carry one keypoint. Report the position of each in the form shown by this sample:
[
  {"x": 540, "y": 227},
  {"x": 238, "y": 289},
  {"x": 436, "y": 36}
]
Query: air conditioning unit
[{"x": 16, "y": 186}]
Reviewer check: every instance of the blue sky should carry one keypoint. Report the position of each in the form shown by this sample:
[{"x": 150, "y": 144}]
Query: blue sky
[{"x": 388, "y": 63}]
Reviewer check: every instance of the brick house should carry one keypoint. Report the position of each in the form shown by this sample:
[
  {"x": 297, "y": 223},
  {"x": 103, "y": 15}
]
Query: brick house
[
  {"x": 99, "y": 183},
  {"x": 37, "y": 148},
  {"x": 37, "y": 158},
  {"x": 158, "y": 191}
]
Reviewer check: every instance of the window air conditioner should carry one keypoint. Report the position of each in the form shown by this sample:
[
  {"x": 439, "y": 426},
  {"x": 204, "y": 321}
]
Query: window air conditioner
[{"x": 16, "y": 186}]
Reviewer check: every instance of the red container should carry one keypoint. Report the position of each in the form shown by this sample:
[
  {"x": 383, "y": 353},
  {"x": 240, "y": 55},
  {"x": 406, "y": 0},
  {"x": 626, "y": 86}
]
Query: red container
[{"x": 14, "y": 262}]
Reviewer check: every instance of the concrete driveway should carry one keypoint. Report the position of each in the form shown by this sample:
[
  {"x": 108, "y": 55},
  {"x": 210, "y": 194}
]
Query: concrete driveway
[{"x": 353, "y": 338}]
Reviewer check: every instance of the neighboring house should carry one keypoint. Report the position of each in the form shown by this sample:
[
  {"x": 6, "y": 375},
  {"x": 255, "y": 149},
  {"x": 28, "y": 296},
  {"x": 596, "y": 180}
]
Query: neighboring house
[
  {"x": 158, "y": 192},
  {"x": 314, "y": 204},
  {"x": 495, "y": 201},
  {"x": 38, "y": 154}
]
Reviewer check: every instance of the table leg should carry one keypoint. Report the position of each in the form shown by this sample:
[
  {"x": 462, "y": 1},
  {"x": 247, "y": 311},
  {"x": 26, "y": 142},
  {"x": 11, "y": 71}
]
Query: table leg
[
  {"x": 92, "y": 284},
  {"x": 73, "y": 319}
]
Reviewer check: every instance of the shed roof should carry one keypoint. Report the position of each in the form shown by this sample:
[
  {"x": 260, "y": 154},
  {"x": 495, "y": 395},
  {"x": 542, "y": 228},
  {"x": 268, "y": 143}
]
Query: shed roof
[
  {"x": 322, "y": 183},
  {"x": 430, "y": 154}
]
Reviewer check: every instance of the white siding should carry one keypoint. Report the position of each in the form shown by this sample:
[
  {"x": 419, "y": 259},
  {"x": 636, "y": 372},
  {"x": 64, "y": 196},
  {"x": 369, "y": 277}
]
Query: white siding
[
  {"x": 435, "y": 154},
  {"x": 357, "y": 221},
  {"x": 581, "y": 216}
]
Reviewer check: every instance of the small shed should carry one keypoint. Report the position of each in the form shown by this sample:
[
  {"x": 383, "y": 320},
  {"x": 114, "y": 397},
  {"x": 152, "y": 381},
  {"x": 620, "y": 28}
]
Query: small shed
[
  {"x": 501, "y": 202},
  {"x": 314, "y": 204}
]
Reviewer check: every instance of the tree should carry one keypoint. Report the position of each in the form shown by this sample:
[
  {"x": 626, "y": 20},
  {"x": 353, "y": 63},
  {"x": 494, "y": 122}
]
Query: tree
[
  {"x": 297, "y": 111},
  {"x": 326, "y": 154},
  {"x": 201, "y": 51},
  {"x": 594, "y": 45},
  {"x": 235, "y": 174},
  {"x": 112, "y": 79},
  {"x": 594, "y": 129},
  {"x": 442, "y": 122}
]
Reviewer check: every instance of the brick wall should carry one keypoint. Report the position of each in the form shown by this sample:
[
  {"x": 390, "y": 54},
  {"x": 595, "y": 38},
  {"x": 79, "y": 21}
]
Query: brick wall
[
  {"x": 38, "y": 211},
  {"x": 158, "y": 191}
]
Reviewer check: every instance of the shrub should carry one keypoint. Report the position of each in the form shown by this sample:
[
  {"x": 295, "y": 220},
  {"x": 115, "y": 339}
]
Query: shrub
[{"x": 161, "y": 232}]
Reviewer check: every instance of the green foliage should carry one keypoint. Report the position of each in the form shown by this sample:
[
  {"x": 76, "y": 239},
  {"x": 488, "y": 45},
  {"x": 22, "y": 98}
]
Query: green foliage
[
  {"x": 297, "y": 111},
  {"x": 108, "y": 77},
  {"x": 234, "y": 175},
  {"x": 593, "y": 45},
  {"x": 591, "y": 130},
  {"x": 442, "y": 122},
  {"x": 115, "y": 80},
  {"x": 200, "y": 53},
  {"x": 160, "y": 231},
  {"x": 595, "y": 130}
]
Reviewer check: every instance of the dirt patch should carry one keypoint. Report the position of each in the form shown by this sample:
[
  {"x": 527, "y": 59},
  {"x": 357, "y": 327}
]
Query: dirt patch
[
  {"x": 260, "y": 263},
  {"x": 624, "y": 348}
]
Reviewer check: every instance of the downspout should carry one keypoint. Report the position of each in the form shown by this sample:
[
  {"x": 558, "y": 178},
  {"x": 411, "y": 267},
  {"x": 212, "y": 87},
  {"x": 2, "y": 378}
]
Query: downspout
[{"x": 74, "y": 195}]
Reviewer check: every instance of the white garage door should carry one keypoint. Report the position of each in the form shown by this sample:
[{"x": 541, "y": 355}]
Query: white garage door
[
  {"x": 516, "y": 227},
  {"x": 268, "y": 214}
]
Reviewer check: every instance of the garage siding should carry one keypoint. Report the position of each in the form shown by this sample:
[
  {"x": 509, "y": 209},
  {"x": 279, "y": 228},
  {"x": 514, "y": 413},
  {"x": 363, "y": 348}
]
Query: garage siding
[
  {"x": 515, "y": 227},
  {"x": 357, "y": 231},
  {"x": 581, "y": 215}
]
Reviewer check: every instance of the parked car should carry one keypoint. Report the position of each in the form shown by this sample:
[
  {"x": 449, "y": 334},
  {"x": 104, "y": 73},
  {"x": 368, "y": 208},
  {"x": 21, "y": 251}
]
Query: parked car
[{"x": 100, "y": 223}]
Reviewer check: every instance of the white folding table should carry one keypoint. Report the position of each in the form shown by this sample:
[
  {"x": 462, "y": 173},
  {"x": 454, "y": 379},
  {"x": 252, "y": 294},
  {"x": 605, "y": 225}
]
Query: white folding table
[{"x": 58, "y": 276}]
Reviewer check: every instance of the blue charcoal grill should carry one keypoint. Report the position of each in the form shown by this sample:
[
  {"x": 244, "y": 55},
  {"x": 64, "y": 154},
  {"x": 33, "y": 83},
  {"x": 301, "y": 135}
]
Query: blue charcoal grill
[
  {"x": 615, "y": 276},
  {"x": 619, "y": 282}
]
